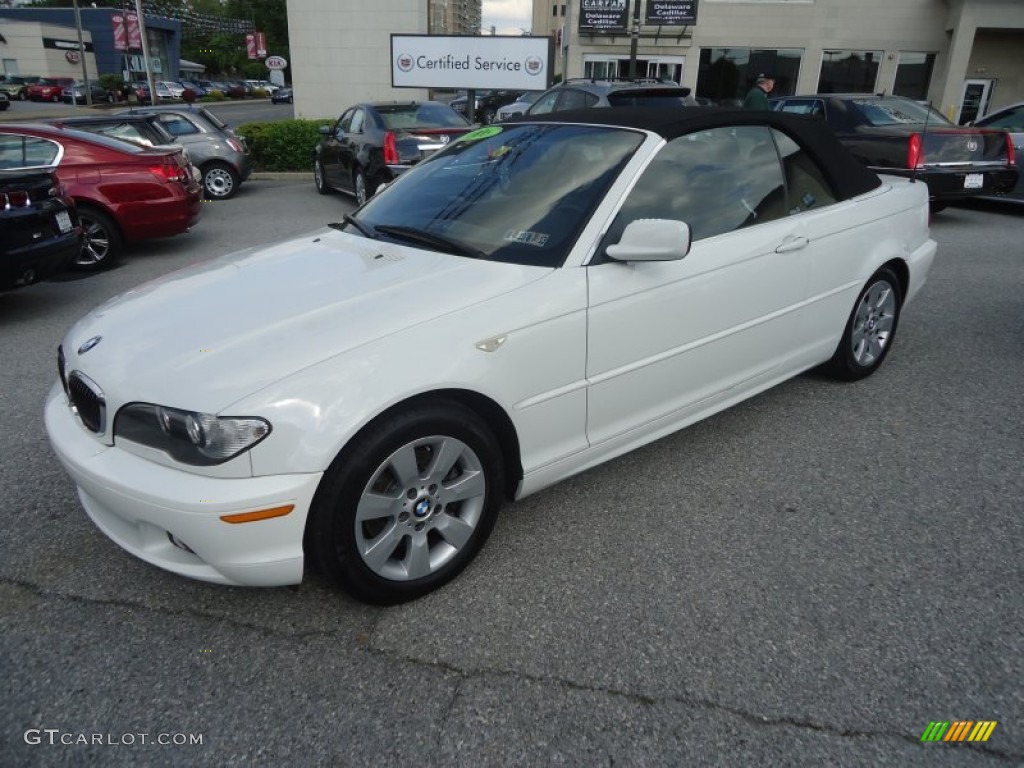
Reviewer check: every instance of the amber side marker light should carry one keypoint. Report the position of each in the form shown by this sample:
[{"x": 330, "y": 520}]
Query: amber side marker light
[{"x": 259, "y": 514}]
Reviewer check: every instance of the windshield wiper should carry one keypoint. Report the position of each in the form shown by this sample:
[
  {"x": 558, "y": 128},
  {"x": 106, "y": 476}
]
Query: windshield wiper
[
  {"x": 441, "y": 242},
  {"x": 364, "y": 229}
]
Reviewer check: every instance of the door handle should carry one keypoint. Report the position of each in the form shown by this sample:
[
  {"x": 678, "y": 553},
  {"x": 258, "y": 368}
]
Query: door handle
[{"x": 792, "y": 244}]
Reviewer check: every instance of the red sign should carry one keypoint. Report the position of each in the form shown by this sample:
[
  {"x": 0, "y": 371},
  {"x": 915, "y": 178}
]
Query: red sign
[
  {"x": 120, "y": 33},
  {"x": 134, "y": 33},
  {"x": 250, "y": 46},
  {"x": 261, "y": 45}
]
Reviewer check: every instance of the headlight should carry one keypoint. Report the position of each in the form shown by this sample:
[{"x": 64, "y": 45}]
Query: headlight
[{"x": 200, "y": 439}]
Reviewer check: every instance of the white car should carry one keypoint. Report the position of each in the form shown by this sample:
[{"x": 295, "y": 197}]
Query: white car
[
  {"x": 531, "y": 301},
  {"x": 176, "y": 90}
]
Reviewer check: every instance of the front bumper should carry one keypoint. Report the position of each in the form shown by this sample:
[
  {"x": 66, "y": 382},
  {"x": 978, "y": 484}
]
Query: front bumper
[{"x": 137, "y": 503}]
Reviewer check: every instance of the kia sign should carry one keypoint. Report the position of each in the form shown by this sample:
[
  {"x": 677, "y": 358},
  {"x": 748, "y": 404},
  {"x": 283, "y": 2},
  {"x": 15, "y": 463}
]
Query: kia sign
[
  {"x": 492, "y": 62},
  {"x": 276, "y": 62}
]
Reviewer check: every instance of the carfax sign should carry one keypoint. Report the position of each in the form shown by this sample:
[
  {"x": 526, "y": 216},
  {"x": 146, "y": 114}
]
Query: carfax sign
[{"x": 493, "y": 62}]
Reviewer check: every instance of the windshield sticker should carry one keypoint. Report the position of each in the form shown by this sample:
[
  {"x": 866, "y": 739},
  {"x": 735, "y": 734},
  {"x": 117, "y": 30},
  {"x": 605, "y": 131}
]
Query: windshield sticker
[
  {"x": 525, "y": 237},
  {"x": 482, "y": 133}
]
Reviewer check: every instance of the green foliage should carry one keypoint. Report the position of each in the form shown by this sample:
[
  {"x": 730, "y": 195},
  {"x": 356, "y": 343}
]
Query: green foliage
[
  {"x": 112, "y": 82},
  {"x": 259, "y": 93},
  {"x": 213, "y": 95},
  {"x": 286, "y": 145}
]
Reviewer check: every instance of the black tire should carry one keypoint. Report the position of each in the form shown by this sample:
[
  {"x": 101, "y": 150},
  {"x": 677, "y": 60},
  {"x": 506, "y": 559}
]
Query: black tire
[
  {"x": 220, "y": 181},
  {"x": 423, "y": 518},
  {"x": 935, "y": 207},
  {"x": 319, "y": 179},
  {"x": 871, "y": 329},
  {"x": 361, "y": 187},
  {"x": 103, "y": 242}
]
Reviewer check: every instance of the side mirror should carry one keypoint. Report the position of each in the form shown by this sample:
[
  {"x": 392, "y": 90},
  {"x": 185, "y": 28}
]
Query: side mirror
[
  {"x": 325, "y": 130},
  {"x": 652, "y": 240}
]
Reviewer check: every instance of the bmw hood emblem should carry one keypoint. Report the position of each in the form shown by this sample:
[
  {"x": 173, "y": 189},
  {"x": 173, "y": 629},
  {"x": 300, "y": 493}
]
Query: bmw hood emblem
[{"x": 89, "y": 344}]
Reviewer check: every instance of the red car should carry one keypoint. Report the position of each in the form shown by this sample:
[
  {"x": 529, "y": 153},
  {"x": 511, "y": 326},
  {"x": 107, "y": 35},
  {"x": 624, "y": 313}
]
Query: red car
[
  {"x": 123, "y": 192},
  {"x": 49, "y": 88}
]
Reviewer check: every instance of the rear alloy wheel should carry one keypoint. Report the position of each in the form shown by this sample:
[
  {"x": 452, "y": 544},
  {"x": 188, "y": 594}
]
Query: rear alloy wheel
[
  {"x": 219, "y": 181},
  {"x": 359, "y": 185},
  {"x": 319, "y": 179},
  {"x": 408, "y": 504},
  {"x": 102, "y": 244},
  {"x": 871, "y": 329}
]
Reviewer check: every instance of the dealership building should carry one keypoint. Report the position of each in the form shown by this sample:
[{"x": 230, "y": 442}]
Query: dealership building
[
  {"x": 965, "y": 56},
  {"x": 44, "y": 42}
]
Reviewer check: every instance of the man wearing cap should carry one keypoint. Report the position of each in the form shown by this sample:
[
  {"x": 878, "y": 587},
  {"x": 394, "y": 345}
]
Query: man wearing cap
[{"x": 757, "y": 97}]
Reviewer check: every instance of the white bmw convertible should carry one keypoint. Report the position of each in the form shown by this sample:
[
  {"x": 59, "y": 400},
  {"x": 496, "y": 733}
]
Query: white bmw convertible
[{"x": 537, "y": 298}]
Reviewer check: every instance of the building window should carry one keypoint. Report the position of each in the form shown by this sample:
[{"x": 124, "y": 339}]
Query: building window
[
  {"x": 563, "y": 10},
  {"x": 914, "y": 75},
  {"x": 554, "y": 10},
  {"x": 849, "y": 71},
  {"x": 726, "y": 74}
]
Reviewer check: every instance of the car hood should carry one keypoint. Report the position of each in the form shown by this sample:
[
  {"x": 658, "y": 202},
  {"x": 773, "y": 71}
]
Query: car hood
[{"x": 210, "y": 334}]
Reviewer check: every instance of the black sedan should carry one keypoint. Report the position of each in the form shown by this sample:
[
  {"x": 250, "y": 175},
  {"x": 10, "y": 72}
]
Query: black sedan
[
  {"x": 39, "y": 230},
  {"x": 899, "y": 136},
  {"x": 372, "y": 144},
  {"x": 282, "y": 96},
  {"x": 76, "y": 94}
]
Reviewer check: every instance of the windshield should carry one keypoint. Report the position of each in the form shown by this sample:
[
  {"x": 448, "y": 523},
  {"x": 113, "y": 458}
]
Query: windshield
[
  {"x": 518, "y": 194},
  {"x": 892, "y": 111}
]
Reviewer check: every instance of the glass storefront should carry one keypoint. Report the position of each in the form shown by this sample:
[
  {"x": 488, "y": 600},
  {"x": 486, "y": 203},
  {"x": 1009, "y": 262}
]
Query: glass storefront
[
  {"x": 914, "y": 75},
  {"x": 726, "y": 74},
  {"x": 847, "y": 71}
]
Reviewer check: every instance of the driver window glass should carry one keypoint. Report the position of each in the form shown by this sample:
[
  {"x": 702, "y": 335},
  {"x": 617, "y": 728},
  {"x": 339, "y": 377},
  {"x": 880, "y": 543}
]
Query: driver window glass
[
  {"x": 717, "y": 181},
  {"x": 346, "y": 121},
  {"x": 573, "y": 99},
  {"x": 356, "y": 126},
  {"x": 177, "y": 126}
]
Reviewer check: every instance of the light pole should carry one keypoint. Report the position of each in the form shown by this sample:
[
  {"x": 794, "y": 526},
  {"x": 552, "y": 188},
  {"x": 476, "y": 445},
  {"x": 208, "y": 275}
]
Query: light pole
[{"x": 81, "y": 53}]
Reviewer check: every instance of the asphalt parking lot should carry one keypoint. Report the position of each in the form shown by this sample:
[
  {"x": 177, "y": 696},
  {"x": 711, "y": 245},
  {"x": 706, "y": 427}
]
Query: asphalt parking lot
[{"x": 809, "y": 578}]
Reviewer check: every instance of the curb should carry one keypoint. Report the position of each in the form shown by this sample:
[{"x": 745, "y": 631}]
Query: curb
[{"x": 281, "y": 176}]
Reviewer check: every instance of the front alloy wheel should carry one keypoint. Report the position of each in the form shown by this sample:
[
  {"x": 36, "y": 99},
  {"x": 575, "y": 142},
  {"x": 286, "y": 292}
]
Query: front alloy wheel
[{"x": 408, "y": 504}]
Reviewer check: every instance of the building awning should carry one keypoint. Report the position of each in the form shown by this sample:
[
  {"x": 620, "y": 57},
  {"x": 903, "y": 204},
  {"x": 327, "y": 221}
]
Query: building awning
[{"x": 190, "y": 66}]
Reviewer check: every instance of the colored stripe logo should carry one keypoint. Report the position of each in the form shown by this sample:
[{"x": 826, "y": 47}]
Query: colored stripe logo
[{"x": 959, "y": 730}]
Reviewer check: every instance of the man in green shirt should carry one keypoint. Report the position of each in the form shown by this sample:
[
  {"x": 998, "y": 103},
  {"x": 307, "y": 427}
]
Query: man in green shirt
[{"x": 757, "y": 97}]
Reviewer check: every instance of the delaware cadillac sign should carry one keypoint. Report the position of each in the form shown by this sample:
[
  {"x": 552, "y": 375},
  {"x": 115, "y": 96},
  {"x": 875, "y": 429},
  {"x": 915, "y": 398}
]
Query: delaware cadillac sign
[{"x": 493, "y": 62}]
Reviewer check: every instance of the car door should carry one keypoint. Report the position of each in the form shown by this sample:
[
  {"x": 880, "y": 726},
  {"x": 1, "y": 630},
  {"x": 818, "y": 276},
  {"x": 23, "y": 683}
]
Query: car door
[
  {"x": 330, "y": 150},
  {"x": 667, "y": 339},
  {"x": 349, "y": 147}
]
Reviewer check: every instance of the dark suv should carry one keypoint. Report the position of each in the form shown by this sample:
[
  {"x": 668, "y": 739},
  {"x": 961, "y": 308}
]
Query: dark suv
[
  {"x": 580, "y": 93},
  {"x": 486, "y": 106},
  {"x": 39, "y": 230}
]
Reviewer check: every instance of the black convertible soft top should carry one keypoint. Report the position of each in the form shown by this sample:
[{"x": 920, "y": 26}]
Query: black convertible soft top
[{"x": 847, "y": 175}]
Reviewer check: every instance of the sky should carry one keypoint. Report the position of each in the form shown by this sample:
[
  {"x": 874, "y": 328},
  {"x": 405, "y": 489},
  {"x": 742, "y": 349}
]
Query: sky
[{"x": 509, "y": 17}]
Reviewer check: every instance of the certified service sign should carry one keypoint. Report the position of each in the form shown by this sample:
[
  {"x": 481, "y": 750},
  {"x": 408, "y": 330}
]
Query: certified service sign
[{"x": 493, "y": 62}]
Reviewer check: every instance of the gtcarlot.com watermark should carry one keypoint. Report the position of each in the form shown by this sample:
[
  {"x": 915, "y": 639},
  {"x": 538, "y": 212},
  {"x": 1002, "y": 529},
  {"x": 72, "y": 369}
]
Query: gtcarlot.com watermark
[{"x": 57, "y": 737}]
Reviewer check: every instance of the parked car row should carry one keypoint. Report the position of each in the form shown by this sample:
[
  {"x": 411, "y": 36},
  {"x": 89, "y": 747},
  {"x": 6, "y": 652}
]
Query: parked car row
[
  {"x": 125, "y": 176},
  {"x": 902, "y": 137},
  {"x": 122, "y": 192}
]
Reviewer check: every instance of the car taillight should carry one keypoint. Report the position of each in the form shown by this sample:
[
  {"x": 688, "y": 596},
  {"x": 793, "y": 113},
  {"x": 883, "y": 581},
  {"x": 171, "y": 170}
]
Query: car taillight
[
  {"x": 19, "y": 199},
  {"x": 169, "y": 171},
  {"x": 390, "y": 149},
  {"x": 915, "y": 153},
  {"x": 1011, "y": 151}
]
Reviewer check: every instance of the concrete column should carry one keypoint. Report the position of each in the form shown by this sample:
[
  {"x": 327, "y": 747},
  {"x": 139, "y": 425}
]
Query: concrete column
[{"x": 960, "y": 47}]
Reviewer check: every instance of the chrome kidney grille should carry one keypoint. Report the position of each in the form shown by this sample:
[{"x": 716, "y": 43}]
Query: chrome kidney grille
[{"x": 88, "y": 401}]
